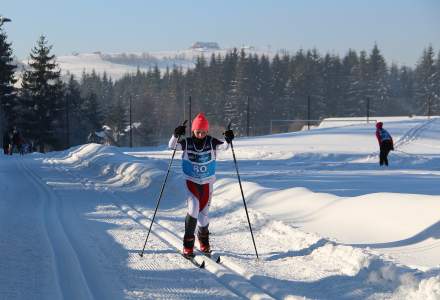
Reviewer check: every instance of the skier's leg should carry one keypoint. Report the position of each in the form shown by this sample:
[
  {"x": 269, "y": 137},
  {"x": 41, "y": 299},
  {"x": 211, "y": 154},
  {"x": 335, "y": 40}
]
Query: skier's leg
[
  {"x": 191, "y": 218},
  {"x": 381, "y": 156},
  {"x": 188, "y": 238},
  {"x": 203, "y": 218},
  {"x": 387, "y": 151}
]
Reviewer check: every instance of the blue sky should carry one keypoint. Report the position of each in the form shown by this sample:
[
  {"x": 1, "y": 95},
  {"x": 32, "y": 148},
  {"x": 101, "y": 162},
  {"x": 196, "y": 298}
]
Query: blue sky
[{"x": 401, "y": 28}]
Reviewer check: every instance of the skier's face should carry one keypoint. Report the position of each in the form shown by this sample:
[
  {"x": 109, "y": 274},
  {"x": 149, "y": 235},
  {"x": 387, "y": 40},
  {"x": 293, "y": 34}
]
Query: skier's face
[{"x": 200, "y": 134}]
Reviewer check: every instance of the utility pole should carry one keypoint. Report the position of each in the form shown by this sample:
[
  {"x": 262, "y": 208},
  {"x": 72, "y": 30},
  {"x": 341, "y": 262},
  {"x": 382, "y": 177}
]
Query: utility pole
[
  {"x": 131, "y": 125},
  {"x": 189, "y": 115},
  {"x": 184, "y": 104},
  {"x": 247, "y": 117},
  {"x": 67, "y": 123},
  {"x": 368, "y": 110},
  {"x": 308, "y": 112},
  {"x": 429, "y": 107}
]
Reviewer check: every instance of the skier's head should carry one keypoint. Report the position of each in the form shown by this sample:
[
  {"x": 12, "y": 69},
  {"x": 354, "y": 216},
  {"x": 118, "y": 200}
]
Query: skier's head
[
  {"x": 200, "y": 126},
  {"x": 379, "y": 125}
]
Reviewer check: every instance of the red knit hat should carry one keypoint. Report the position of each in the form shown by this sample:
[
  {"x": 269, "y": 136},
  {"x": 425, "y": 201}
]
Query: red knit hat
[
  {"x": 379, "y": 125},
  {"x": 200, "y": 123}
]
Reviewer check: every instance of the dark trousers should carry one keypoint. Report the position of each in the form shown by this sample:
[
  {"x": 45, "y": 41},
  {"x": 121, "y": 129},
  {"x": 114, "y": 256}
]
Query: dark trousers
[{"x": 385, "y": 148}]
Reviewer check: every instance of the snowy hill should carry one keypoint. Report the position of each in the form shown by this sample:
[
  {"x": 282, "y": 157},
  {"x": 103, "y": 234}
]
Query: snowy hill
[
  {"x": 117, "y": 65},
  {"x": 329, "y": 223}
]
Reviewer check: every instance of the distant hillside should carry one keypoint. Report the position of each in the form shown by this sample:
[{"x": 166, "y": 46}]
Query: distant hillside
[{"x": 117, "y": 65}]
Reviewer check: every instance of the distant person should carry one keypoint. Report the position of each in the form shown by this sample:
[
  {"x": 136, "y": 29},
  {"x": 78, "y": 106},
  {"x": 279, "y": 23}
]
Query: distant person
[
  {"x": 23, "y": 146},
  {"x": 6, "y": 142},
  {"x": 385, "y": 143},
  {"x": 16, "y": 141}
]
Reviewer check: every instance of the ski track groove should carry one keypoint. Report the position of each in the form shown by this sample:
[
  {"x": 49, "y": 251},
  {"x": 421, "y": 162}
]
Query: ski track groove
[
  {"x": 70, "y": 277},
  {"x": 228, "y": 267},
  {"x": 42, "y": 215},
  {"x": 145, "y": 265},
  {"x": 413, "y": 133}
]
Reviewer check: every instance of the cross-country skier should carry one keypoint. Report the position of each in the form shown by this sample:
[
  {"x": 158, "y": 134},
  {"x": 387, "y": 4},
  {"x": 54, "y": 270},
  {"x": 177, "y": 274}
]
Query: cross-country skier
[
  {"x": 385, "y": 143},
  {"x": 198, "y": 164}
]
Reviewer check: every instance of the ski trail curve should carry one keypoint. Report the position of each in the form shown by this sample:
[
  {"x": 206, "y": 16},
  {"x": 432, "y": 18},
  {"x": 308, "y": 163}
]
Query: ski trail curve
[{"x": 70, "y": 277}]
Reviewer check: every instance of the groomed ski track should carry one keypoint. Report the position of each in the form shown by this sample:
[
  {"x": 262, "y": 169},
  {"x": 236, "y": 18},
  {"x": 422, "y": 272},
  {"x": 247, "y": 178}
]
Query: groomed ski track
[
  {"x": 226, "y": 273},
  {"x": 78, "y": 265}
]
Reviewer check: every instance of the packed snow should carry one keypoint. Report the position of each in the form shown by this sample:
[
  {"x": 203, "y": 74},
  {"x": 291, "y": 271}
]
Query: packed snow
[{"x": 329, "y": 222}]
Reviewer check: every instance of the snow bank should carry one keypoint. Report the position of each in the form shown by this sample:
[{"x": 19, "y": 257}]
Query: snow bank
[
  {"x": 115, "y": 168},
  {"x": 426, "y": 289}
]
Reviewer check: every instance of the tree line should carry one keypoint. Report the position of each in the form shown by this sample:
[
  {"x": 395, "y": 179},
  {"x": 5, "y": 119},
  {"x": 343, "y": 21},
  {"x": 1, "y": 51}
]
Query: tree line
[{"x": 246, "y": 89}]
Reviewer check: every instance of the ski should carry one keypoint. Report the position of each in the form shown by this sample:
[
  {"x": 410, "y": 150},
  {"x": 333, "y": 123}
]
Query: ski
[
  {"x": 216, "y": 258},
  {"x": 194, "y": 261}
]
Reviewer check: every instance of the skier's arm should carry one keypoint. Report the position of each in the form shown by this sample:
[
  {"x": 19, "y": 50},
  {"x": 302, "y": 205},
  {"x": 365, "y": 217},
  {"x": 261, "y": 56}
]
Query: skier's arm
[
  {"x": 174, "y": 142},
  {"x": 223, "y": 146},
  {"x": 378, "y": 136},
  {"x": 178, "y": 132},
  {"x": 219, "y": 145}
]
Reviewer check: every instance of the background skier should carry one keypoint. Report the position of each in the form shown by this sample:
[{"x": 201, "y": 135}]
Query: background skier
[
  {"x": 16, "y": 141},
  {"x": 385, "y": 143},
  {"x": 198, "y": 164}
]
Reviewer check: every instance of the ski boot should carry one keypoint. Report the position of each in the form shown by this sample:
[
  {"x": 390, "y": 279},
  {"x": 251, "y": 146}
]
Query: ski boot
[
  {"x": 188, "y": 252},
  {"x": 203, "y": 237}
]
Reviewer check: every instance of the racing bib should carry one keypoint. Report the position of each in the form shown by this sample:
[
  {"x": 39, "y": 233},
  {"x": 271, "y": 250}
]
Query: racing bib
[{"x": 199, "y": 165}]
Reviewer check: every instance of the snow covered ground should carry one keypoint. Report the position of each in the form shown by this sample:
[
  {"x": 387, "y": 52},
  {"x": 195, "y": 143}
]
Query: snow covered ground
[{"x": 329, "y": 223}]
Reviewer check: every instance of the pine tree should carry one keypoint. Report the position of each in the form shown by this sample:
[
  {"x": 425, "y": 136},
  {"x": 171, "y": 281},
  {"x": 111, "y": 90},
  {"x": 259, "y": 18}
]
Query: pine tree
[
  {"x": 214, "y": 90},
  {"x": 231, "y": 110},
  {"x": 377, "y": 81},
  {"x": 116, "y": 119},
  {"x": 436, "y": 79},
  {"x": 406, "y": 86},
  {"x": 242, "y": 90},
  {"x": 92, "y": 114},
  {"x": 175, "y": 97},
  {"x": 351, "y": 83},
  {"x": 400, "y": 91},
  {"x": 76, "y": 133},
  {"x": 279, "y": 72},
  {"x": 426, "y": 74},
  {"x": 359, "y": 88},
  {"x": 315, "y": 84},
  {"x": 263, "y": 101},
  {"x": 332, "y": 80},
  {"x": 41, "y": 99},
  {"x": 7, "y": 81}
]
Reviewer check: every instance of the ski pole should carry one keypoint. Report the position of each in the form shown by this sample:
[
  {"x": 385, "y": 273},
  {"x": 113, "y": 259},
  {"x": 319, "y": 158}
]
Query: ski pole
[
  {"x": 242, "y": 194},
  {"x": 141, "y": 254}
]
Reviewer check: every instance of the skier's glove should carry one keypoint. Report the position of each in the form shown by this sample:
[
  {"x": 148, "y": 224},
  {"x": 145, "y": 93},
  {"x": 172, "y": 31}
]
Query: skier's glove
[
  {"x": 229, "y": 136},
  {"x": 179, "y": 131}
]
